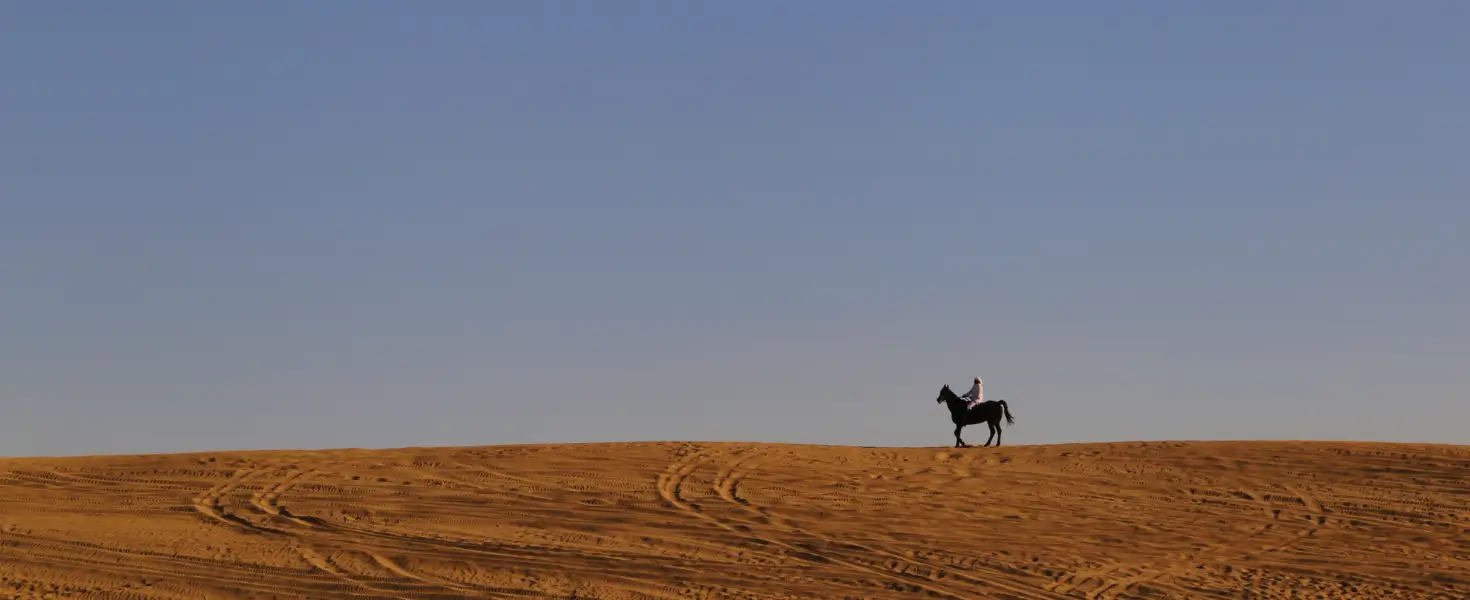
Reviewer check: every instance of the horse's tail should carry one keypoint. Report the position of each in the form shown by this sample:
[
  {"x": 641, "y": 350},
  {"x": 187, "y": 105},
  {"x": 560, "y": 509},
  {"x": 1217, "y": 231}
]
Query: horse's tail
[{"x": 1007, "y": 410}]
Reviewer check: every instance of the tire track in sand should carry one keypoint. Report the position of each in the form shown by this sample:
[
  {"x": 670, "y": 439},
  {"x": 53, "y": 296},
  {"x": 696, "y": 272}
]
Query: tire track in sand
[
  {"x": 265, "y": 501},
  {"x": 268, "y": 501},
  {"x": 208, "y": 503},
  {"x": 529, "y": 483},
  {"x": 314, "y": 533},
  {"x": 393, "y": 567},
  {"x": 155, "y": 565},
  {"x": 1315, "y": 519},
  {"x": 727, "y": 486},
  {"x": 1111, "y": 585},
  {"x": 1118, "y": 577},
  {"x": 671, "y": 485},
  {"x": 325, "y": 565},
  {"x": 627, "y": 583},
  {"x": 581, "y": 546}
]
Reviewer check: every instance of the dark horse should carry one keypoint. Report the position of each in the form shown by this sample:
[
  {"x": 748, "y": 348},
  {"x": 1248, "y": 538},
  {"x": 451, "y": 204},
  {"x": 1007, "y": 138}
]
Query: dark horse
[{"x": 988, "y": 412}]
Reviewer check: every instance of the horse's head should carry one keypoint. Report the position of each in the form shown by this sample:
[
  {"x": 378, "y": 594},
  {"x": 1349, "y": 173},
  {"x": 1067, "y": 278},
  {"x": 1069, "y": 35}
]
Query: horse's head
[{"x": 944, "y": 394}]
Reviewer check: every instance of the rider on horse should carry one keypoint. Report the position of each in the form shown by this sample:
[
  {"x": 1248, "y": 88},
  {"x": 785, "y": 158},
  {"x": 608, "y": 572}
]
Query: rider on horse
[{"x": 976, "y": 394}]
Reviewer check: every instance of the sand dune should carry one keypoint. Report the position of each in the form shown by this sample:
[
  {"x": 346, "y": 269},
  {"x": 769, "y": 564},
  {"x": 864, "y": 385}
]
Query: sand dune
[{"x": 691, "y": 520}]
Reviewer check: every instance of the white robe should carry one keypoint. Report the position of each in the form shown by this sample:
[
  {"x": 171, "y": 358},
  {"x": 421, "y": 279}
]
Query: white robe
[{"x": 976, "y": 394}]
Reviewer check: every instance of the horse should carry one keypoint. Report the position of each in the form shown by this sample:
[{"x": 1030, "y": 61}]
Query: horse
[{"x": 988, "y": 412}]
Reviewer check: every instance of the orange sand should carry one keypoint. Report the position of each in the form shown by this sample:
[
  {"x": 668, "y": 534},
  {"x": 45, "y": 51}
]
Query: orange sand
[{"x": 1231, "y": 520}]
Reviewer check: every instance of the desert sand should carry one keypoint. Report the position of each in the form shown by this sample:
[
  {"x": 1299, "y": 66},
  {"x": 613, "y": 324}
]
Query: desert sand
[{"x": 743, "y": 520}]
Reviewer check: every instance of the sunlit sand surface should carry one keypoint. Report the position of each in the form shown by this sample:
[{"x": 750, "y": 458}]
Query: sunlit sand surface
[{"x": 1238, "y": 520}]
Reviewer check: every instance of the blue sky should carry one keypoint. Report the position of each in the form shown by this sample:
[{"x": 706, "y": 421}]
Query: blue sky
[{"x": 343, "y": 224}]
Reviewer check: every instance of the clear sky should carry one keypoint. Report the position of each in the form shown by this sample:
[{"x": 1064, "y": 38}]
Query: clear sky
[{"x": 265, "y": 225}]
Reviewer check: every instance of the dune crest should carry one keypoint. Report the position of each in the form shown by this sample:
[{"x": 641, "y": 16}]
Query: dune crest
[{"x": 743, "y": 520}]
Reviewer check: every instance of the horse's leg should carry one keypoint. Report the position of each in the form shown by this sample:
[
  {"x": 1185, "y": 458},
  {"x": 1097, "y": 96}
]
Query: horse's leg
[
  {"x": 958, "y": 443},
  {"x": 992, "y": 432},
  {"x": 998, "y": 432}
]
